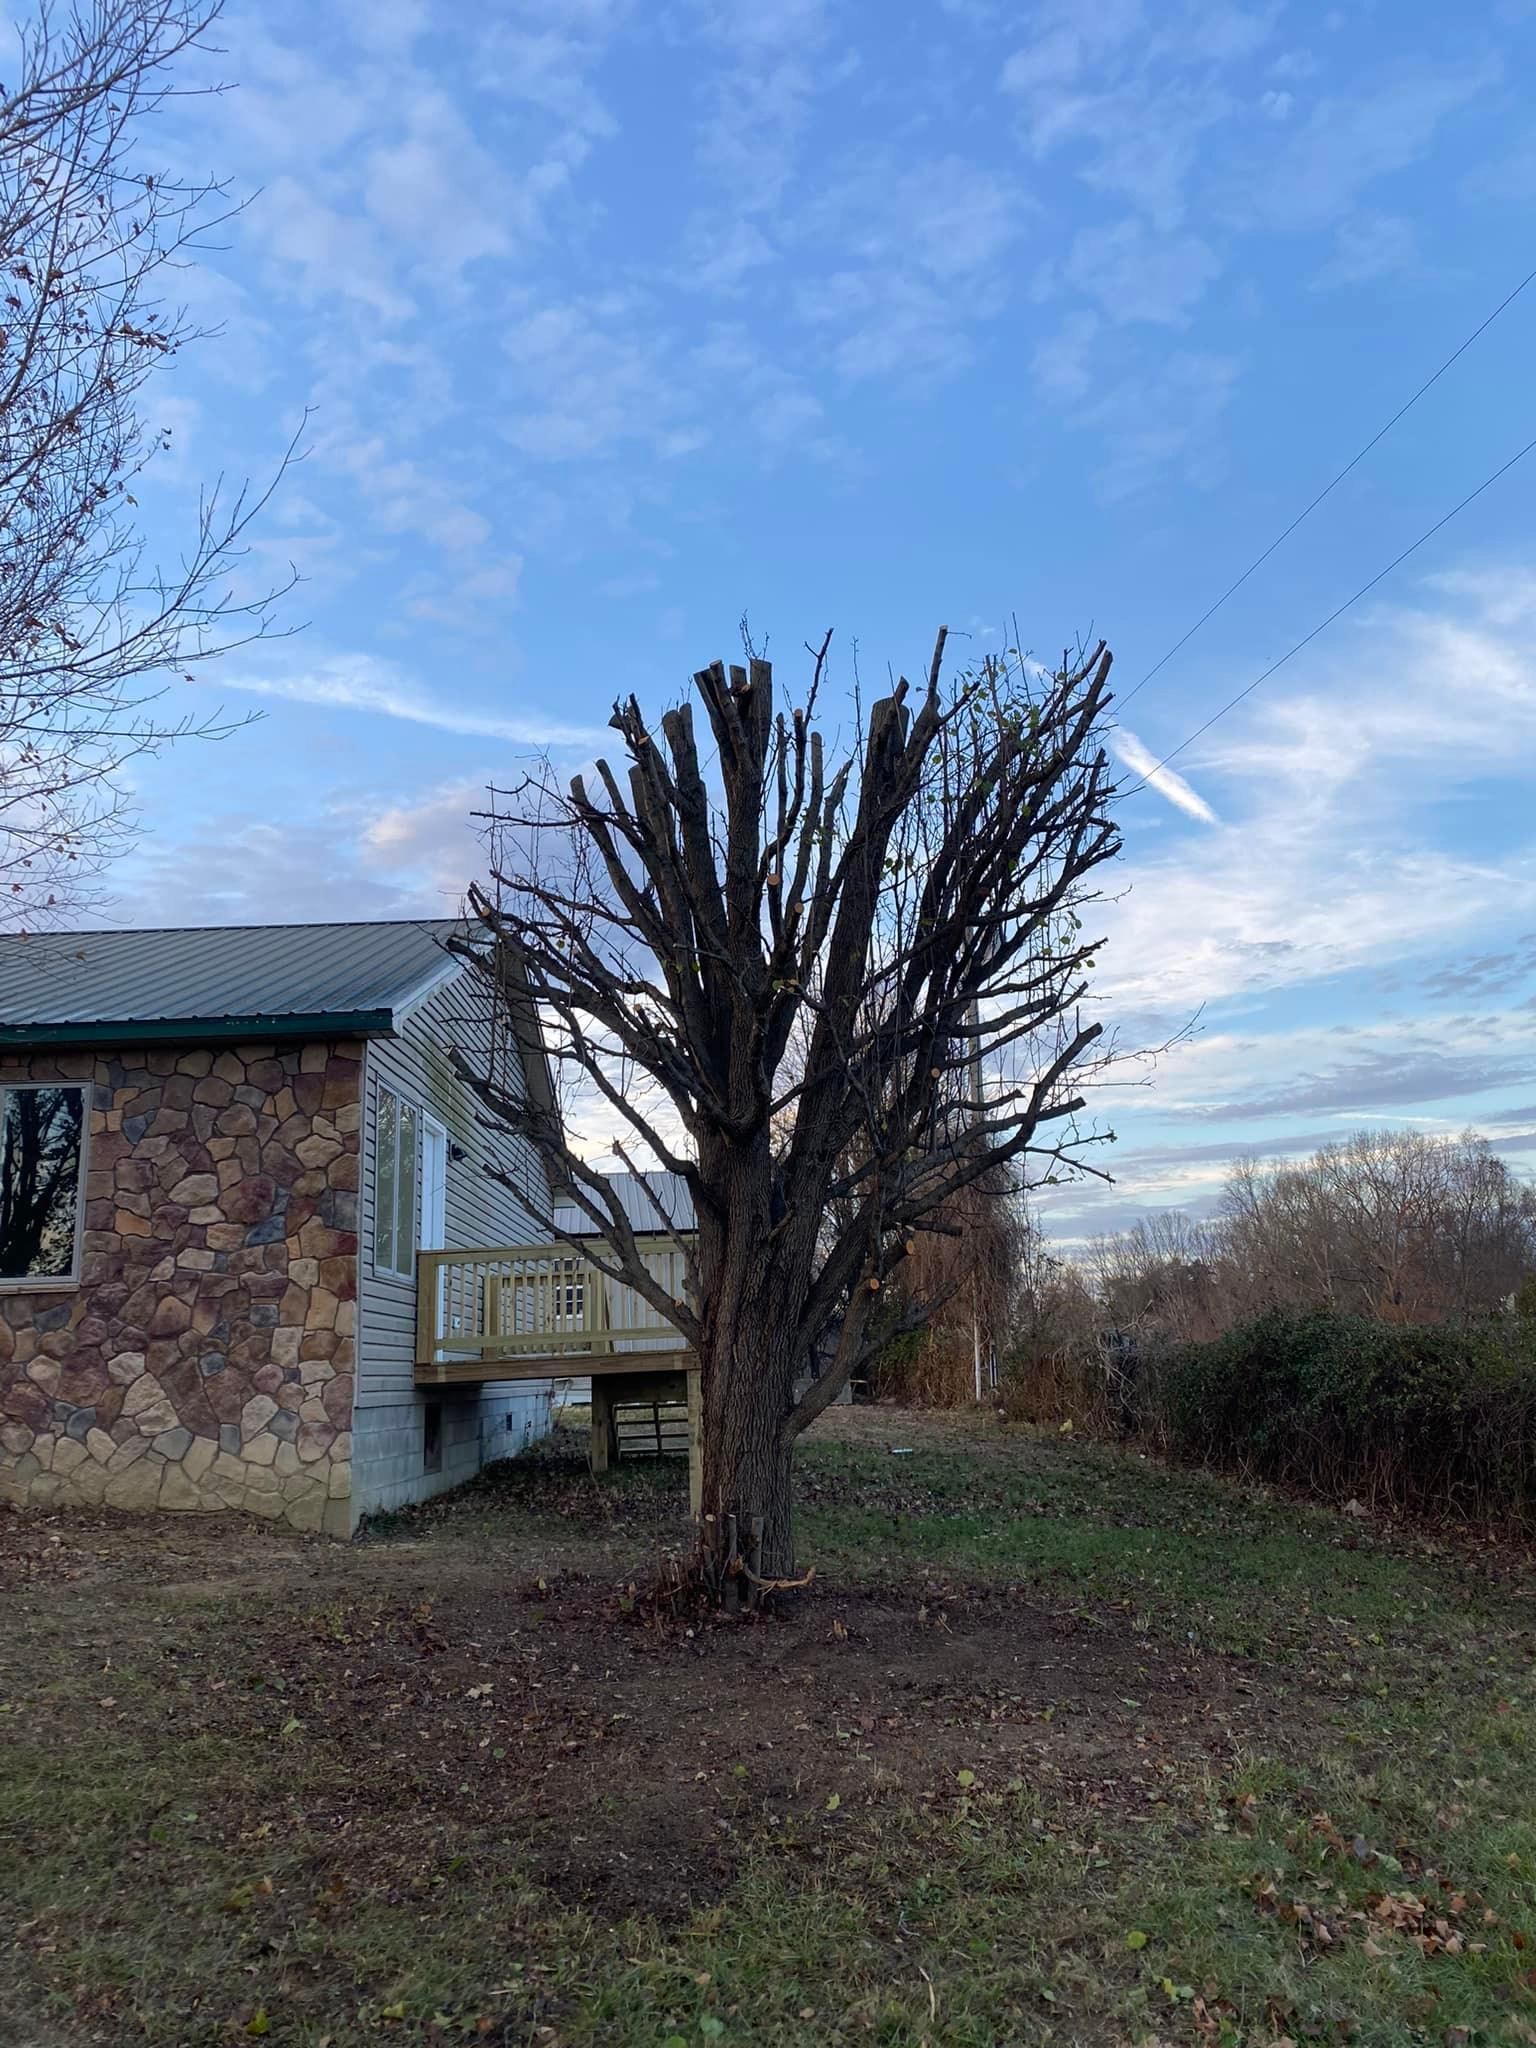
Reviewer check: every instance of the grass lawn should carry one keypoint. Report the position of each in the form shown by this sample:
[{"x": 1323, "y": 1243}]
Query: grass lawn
[{"x": 1063, "y": 1748}]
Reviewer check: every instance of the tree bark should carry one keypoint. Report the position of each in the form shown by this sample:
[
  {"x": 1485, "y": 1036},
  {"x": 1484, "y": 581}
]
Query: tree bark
[{"x": 747, "y": 1534}]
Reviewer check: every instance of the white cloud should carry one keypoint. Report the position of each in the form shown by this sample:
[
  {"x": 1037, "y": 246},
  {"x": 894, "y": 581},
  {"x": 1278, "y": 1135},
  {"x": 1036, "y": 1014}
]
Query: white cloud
[
  {"x": 1143, "y": 762},
  {"x": 437, "y": 837},
  {"x": 1166, "y": 110},
  {"x": 1061, "y": 361},
  {"x": 1369, "y": 247},
  {"x": 402, "y": 494},
  {"x": 778, "y": 60},
  {"x": 945, "y": 216},
  {"x": 546, "y": 63},
  {"x": 723, "y": 254},
  {"x": 1068, "y": 41},
  {"x": 1138, "y": 275},
  {"x": 387, "y": 24},
  {"x": 1162, "y": 421},
  {"x": 475, "y": 602},
  {"x": 242, "y": 870},
  {"x": 896, "y": 325},
  {"x": 364, "y": 683},
  {"x": 1349, "y": 141},
  {"x": 1294, "y": 65},
  {"x": 1130, "y": 101},
  {"x": 588, "y": 375},
  {"x": 436, "y": 191},
  {"x": 908, "y": 247},
  {"x": 1329, "y": 858},
  {"x": 330, "y": 250}
]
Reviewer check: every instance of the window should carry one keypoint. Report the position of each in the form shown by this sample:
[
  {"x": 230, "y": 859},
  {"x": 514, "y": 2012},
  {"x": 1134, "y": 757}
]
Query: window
[
  {"x": 394, "y": 1187},
  {"x": 41, "y": 1153},
  {"x": 570, "y": 1297}
]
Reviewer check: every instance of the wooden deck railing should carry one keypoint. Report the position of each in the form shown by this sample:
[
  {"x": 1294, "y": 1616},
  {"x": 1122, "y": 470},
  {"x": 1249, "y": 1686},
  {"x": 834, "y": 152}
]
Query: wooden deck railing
[{"x": 541, "y": 1301}]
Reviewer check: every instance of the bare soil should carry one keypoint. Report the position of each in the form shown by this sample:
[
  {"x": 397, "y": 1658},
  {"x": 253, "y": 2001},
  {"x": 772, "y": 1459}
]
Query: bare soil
[{"x": 630, "y": 1763}]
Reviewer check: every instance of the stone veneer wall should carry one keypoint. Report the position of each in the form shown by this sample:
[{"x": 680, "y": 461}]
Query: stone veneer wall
[{"x": 206, "y": 1360}]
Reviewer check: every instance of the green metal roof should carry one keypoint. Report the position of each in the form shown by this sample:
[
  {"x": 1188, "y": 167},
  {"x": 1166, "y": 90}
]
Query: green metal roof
[{"x": 198, "y": 983}]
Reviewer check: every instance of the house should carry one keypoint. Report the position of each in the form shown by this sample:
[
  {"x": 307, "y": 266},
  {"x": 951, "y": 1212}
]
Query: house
[
  {"x": 221, "y": 1151},
  {"x": 653, "y": 1201}
]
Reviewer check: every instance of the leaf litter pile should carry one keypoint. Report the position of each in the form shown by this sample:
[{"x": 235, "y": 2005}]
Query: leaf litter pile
[{"x": 462, "y": 1783}]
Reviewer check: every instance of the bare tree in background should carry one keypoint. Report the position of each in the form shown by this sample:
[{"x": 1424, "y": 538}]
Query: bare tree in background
[
  {"x": 1164, "y": 1273},
  {"x": 90, "y": 629},
  {"x": 1407, "y": 1226},
  {"x": 1054, "y": 1366},
  {"x": 972, "y": 1261},
  {"x": 783, "y": 986},
  {"x": 1403, "y": 1226}
]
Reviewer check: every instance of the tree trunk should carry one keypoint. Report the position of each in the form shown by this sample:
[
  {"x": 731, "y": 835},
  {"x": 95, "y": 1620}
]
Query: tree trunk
[{"x": 747, "y": 1535}]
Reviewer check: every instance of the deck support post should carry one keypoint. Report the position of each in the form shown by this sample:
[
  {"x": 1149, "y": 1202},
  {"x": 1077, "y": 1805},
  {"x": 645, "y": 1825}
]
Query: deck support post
[
  {"x": 604, "y": 1447},
  {"x": 695, "y": 1444}
]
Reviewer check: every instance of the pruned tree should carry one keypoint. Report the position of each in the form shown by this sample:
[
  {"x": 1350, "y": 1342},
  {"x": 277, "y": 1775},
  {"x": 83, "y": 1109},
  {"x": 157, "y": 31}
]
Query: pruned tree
[
  {"x": 831, "y": 995},
  {"x": 90, "y": 628}
]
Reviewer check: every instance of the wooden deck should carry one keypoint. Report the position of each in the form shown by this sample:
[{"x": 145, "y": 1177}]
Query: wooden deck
[
  {"x": 543, "y": 1311},
  {"x": 557, "y": 1365}
]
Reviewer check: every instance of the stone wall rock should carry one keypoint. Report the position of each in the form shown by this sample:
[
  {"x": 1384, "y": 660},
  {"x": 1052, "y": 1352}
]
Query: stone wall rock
[{"x": 205, "y": 1360}]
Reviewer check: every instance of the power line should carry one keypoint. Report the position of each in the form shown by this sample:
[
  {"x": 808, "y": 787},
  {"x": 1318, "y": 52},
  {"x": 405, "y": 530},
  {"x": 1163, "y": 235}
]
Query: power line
[
  {"x": 1353, "y": 463},
  {"x": 1338, "y": 613}
]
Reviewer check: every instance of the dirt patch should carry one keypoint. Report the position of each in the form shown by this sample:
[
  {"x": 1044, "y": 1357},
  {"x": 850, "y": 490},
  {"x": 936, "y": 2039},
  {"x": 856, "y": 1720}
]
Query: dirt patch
[
  {"x": 628, "y": 1770},
  {"x": 636, "y": 1769},
  {"x": 464, "y": 1664}
]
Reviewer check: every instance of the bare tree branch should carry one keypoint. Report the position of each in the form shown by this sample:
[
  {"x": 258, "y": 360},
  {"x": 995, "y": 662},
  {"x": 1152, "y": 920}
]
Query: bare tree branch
[
  {"x": 91, "y": 630},
  {"x": 833, "y": 997}
]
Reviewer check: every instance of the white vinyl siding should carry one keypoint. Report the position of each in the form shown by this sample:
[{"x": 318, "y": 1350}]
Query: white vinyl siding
[{"x": 478, "y": 1424}]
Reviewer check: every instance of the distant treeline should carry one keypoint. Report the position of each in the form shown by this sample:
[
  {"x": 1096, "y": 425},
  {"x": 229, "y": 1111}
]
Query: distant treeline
[
  {"x": 1361, "y": 1323},
  {"x": 1392, "y": 1225}
]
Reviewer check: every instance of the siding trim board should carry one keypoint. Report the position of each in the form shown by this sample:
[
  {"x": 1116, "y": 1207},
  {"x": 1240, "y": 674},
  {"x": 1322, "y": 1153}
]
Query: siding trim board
[{"x": 412, "y": 1001}]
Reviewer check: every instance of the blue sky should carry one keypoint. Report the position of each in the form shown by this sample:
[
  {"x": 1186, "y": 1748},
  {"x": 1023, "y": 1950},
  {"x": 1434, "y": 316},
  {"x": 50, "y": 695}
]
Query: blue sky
[{"x": 619, "y": 320}]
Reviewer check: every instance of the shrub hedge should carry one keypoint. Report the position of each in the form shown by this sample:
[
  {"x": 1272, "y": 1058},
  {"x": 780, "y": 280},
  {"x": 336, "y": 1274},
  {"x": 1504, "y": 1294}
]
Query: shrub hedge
[{"x": 1435, "y": 1417}]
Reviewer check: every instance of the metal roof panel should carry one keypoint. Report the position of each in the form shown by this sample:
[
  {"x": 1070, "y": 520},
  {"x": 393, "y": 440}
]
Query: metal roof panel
[{"x": 209, "y": 973}]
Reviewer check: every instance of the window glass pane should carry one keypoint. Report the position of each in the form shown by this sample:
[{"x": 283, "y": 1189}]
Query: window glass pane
[
  {"x": 39, "y": 1181},
  {"x": 384, "y": 1139},
  {"x": 405, "y": 1193}
]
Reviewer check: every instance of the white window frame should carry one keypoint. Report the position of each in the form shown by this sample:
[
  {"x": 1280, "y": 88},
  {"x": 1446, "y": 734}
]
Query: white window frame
[
  {"x": 432, "y": 1228},
  {"x": 405, "y": 1274},
  {"x": 58, "y": 1283},
  {"x": 432, "y": 1137}
]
